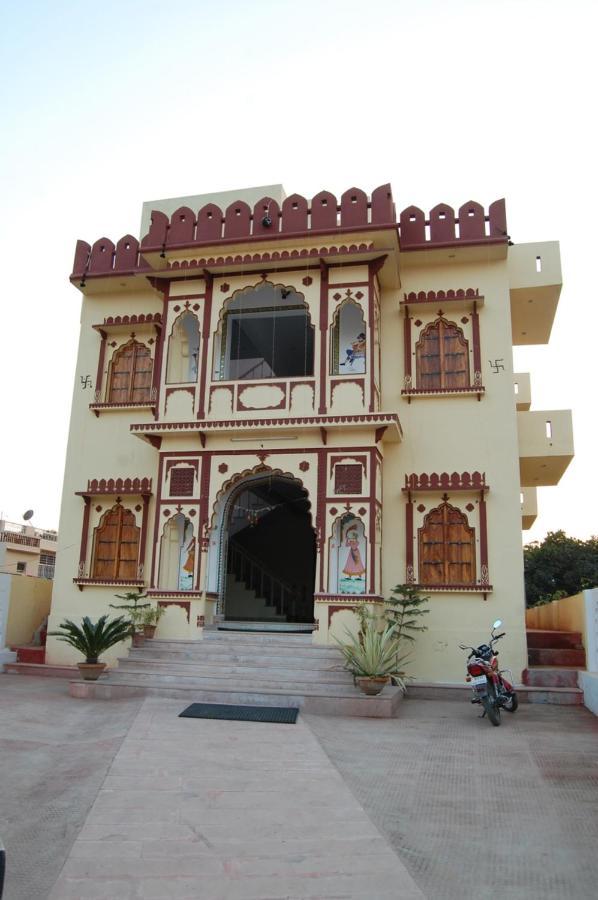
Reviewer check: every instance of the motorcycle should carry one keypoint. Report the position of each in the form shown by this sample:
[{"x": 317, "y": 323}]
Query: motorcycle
[{"x": 490, "y": 688}]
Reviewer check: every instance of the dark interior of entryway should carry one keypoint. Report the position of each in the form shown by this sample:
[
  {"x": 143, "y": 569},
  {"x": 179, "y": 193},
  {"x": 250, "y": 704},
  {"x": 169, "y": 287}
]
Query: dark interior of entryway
[{"x": 271, "y": 555}]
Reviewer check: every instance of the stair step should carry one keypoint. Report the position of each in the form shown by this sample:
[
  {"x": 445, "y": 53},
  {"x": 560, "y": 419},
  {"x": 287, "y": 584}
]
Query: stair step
[
  {"x": 558, "y": 696},
  {"x": 165, "y": 667},
  {"x": 30, "y": 654},
  {"x": 26, "y": 668},
  {"x": 223, "y": 655},
  {"x": 266, "y": 683},
  {"x": 552, "y": 640},
  {"x": 544, "y": 656},
  {"x": 550, "y": 677}
]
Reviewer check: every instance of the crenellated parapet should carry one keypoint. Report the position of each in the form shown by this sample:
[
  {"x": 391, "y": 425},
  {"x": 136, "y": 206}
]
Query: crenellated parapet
[
  {"x": 444, "y": 227},
  {"x": 296, "y": 217}
]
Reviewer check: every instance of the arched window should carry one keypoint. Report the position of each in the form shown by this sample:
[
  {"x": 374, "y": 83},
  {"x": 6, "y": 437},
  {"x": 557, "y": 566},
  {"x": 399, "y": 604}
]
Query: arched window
[
  {"x": 265, "y": 333},
  {"x": 348, "y": 340},
  {"x": 177, "y": 554},
  {"x": 348, "y": 556},
  {"x": 183, "y": 350},
  {"x": 116, "y": 546},
  {"x": 446, "y": 547},
  {"x": 130, "y": 377},
  {"x": 442, "y": 357}
]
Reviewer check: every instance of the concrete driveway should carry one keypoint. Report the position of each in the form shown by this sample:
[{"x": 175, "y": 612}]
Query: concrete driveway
[{"x": 468, "y": 809}]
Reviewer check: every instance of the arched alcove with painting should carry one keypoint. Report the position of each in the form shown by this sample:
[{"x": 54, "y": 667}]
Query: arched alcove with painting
[
  {"x": 177, "y": 554},
  {"x": 183, "y": 350}
]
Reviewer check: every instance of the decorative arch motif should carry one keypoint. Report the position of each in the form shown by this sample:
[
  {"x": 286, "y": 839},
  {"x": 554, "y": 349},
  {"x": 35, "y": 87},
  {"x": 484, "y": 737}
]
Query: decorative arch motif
[
  {"x": 183, "y": 349},
  {"x": 217, "y": 526},
  {"x": 130, "y": 374},
  {"x": 442, "y": 357},
  {"x": 348, "y": 340},
  {"x": 264, "y": 331},
  {"x": 348, "y": 556},
  {"x": 116, "y": 546},
  {"x": 446, "y": 547},
  {"x": 177, "y": 554}
]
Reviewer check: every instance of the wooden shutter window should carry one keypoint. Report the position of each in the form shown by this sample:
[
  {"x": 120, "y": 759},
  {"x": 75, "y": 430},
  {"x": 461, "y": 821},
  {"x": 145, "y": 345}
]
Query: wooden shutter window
[
  {"x": 131, "y": 374},
  {"x": 442, "y": 357},
  {"x": 116, "y": 546},
  {"x": 446, "y": 548},
  {"x": 181, "y": 482},
  {"x": 347, "y": 479}
]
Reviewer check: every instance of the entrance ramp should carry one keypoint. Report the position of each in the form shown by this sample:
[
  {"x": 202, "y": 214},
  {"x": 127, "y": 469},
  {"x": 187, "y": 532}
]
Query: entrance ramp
[{"x": 243, "y": 668}]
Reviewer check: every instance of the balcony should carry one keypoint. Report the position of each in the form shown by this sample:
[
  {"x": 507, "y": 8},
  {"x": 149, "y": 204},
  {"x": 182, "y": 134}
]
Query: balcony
[
  {"x": 15, "y": 538},
  {"x": 522, "y": 389},
  {"x": 529, "y": 507},
  {"x": 535, "y": 285},
  {"x": 545, "y": 446}
]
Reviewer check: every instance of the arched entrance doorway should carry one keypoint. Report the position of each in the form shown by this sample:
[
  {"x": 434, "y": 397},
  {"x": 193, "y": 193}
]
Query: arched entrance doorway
[{"x": 268, "y": 553}]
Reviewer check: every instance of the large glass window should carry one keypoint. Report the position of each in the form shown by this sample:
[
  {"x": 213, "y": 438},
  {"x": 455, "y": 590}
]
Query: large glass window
[{"x": 265, "y": 333}]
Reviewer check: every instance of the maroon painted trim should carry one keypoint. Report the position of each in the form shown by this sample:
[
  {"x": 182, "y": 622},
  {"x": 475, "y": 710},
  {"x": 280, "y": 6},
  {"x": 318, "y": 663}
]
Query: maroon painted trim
[
  {"x": 322, "y": 408},
  {"x": 157, "y": 375},
  {"x": 441, "y": 296},
  {"x": 157, "y": 518},
  {"x": 472, "y": 390},
  {"x": 409, "y": 542},
  {"x": 349, "y": 599},
  {"x": 372, "y": 524},
  {"x": 371, "y": 337},
  {"x": 158, "y": 592},
  {"x": 204, "y": 510},
  {"x": 117, "y": 486},
  {"x": 477, "y": 588},
  {"x": 112, "y": 322},
  {"x": 466, "y": 481},
  {"x": 186, "y": 605},
  {"x": 407, "y": 344},
  {"x": 101, "y": 358},
  {"x": 207, "y": 315},
  {"x": 270, "y": 238},
  {"x": 282, "y": 404},
  {"x": 445, "y": 245},
  {"x": 475, "y": 329},
  {"x": 378, "y": 419},
  {"x": 84, "y": 532},
  {"x": 321, "y": 511},
  {"x": 483, "y": 533},
  {"x": 107, "y": 582},
  {"x": 143, "y": 539},
  {"x": 97, "y": 408}
]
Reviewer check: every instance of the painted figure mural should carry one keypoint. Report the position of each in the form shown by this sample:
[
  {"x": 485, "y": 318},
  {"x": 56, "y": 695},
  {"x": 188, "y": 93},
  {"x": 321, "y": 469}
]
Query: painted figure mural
[
  {"x": 351, "y": 557},
  {"x": 355, "y": 355},
  {"x": 177, "y": 554}
]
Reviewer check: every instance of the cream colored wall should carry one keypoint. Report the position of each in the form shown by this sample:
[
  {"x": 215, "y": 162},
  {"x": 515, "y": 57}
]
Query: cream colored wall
[
  {"x": 98, "y": 447},
  {"x": 567, "y": 614},
  {"x": 29, "y": 604},
  {"x": 453, "y": 433},
  {"x": 10, "y": 556}
]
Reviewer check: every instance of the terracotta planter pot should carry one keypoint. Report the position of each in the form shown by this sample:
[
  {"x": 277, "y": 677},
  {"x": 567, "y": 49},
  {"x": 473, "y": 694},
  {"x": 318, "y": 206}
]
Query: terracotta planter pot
[
  {"x": 91, "y": 671},
  {"x": 149, "y": 631},
  {"x": 138, "y": 639},
  {"x": 372, "y": 685}
]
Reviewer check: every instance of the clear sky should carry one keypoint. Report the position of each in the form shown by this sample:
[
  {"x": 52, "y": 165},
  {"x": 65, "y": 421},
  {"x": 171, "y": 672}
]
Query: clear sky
[{"x": 107, "y": 105}]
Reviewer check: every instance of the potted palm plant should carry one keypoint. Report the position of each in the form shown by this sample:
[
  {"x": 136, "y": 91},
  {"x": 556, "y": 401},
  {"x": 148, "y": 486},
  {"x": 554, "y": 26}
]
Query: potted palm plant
[
  {"x": 373, "y": 657},
  {"x": 151, "y": 617},
  {"x": 92, "y": 639}
]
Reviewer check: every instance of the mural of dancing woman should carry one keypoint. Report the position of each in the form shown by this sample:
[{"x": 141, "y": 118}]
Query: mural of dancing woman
[{"x": 353, "y": 580}]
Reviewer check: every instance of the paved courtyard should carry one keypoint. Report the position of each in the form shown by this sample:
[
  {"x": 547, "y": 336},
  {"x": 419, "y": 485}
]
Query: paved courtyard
[{"x": 122, "y": 799}]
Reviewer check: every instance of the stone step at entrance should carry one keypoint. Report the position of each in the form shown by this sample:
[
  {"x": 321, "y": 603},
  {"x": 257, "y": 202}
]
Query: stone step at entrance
[
  {"x": 551, "y": 677},
  {"x": 539, "y": 638},
  {"x": 246, "y": 668}
]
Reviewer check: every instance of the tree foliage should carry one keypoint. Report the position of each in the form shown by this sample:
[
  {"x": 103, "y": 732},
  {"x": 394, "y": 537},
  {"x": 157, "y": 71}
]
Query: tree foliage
[{"x": 559, "y": 566}]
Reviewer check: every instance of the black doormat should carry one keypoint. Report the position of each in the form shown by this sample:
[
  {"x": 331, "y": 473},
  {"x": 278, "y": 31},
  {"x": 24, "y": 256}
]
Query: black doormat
[{"x": 285, "y": 715}]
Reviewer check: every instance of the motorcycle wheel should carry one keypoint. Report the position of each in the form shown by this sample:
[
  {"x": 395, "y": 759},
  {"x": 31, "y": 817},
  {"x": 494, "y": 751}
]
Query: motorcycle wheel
[
  {"x": 491, "y": 706},
  {"x": 512, "y": 703}
]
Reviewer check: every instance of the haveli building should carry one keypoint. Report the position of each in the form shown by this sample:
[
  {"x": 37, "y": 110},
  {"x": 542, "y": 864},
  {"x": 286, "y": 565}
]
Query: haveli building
[{"x": 283, "y": 408}]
